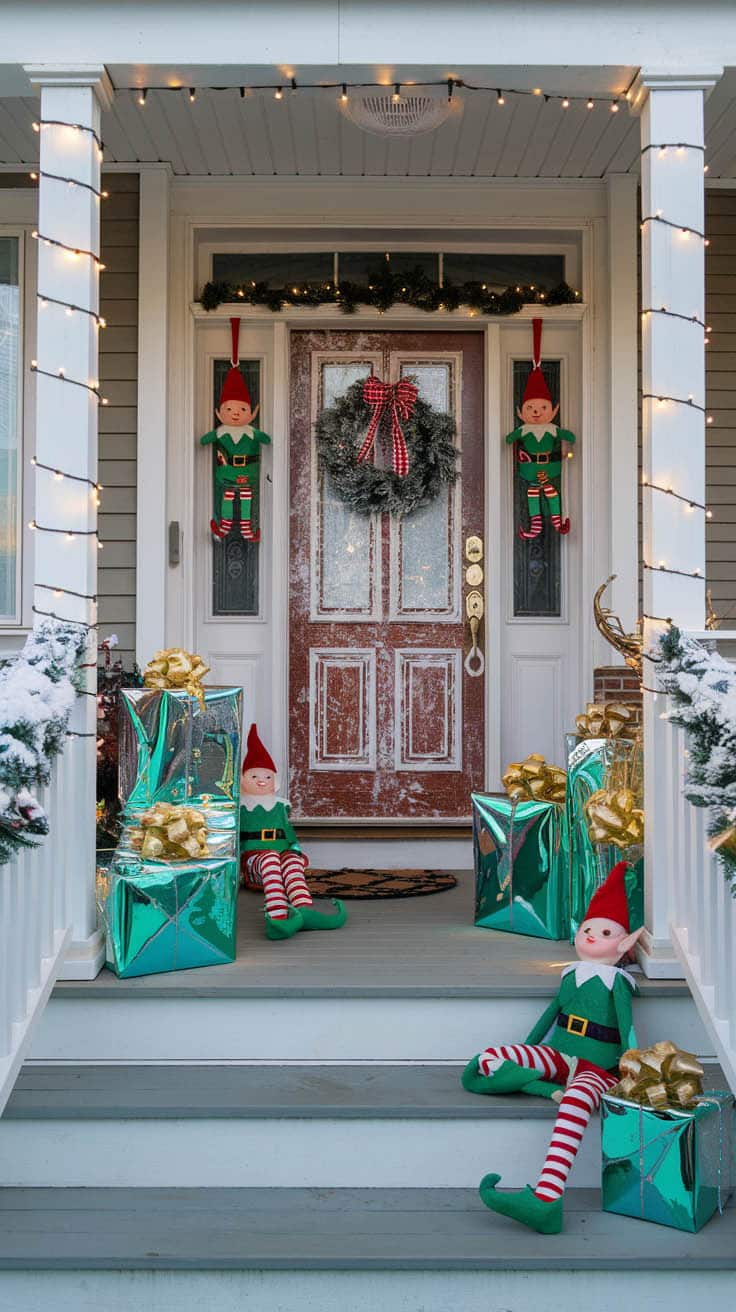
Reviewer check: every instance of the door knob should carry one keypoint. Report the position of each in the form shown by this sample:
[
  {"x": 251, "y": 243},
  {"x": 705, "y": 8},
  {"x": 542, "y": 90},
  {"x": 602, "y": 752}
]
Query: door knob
[{"x": 474, "y": 608}]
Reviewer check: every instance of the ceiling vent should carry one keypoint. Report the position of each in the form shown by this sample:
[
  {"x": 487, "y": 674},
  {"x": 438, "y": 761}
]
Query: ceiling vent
[{"x": 407, "y": 116}]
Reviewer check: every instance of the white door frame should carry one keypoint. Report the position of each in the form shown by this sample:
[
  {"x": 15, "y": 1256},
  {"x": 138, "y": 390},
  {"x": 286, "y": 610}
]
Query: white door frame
[{"x": 194, "y": 207}]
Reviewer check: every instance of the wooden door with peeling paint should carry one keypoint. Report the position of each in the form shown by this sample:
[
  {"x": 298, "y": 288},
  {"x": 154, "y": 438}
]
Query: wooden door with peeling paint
[{"x": 384, "y": 720}]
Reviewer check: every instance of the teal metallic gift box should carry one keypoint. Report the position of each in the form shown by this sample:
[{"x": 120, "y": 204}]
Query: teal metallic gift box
[
  {"x": 170, "y": 915},
  {"x": 587, "y": 762},
  {"x": 521, "y": 866},
  {"x": 172, "y": 749},
  {"x": 672, "y": 1167}
]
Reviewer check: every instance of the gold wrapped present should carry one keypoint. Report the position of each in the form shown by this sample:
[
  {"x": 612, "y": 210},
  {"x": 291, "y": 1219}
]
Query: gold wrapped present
[
  {"x": 661, "y": 1076},
  {"x": 533, "y": 780},
  {"x": 613, "y": 817},
  {"x": 606, "y": 720},
  {"x": 171, "y": 833},
  {"x": 177, "y": 668}
]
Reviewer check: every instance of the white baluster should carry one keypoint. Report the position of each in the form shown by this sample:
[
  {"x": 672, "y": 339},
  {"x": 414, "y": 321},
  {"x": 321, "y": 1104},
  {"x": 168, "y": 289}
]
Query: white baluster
[{"x": 7, "y": 959}]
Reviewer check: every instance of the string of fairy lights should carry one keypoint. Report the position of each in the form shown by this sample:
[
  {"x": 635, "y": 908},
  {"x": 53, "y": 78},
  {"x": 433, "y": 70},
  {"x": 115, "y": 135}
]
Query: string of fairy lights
[
  {"x": 59, "y": 374},
  {"x": 397, "y": 89}
]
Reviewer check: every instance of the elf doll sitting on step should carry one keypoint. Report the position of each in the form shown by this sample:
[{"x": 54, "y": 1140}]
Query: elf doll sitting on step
[
  {"x": 270, "y": 855},
  {"x": 571, "y": 1054}
]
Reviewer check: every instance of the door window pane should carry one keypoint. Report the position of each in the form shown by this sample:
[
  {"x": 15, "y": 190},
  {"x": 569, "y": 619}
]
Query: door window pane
[
  {"x": 9, "y": 420},
  {"x": 345, "y": 540},
  {"x": 499, "y": 271},
  {"x": 235, "y": 561},
  {"x": 423, "y": 541},
  {"x": 537, "y": 563},
  {"x": 280, "y": 269}
]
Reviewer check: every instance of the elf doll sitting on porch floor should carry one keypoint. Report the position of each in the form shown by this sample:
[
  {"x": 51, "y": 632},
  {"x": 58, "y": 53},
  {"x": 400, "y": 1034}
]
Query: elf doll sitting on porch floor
[
  {"x": 591, "y": 1026},
  {"x": 270, "y": 855}
]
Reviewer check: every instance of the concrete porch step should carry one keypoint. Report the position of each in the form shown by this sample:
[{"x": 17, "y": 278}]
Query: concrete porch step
[
  {"x": 370, "y": 1126},
  {"x": 360, "y": 1248}
]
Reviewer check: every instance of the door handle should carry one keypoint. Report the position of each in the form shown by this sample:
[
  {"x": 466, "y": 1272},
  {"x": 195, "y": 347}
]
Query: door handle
[{"x": 475, "y": 663}]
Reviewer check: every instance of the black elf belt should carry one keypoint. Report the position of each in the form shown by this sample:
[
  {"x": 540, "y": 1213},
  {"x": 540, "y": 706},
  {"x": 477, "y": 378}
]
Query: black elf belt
[
  {"x": 264, "y": 835},
  {"x": 587, "y": 1029},
  {"x": 238, "y": 461}
]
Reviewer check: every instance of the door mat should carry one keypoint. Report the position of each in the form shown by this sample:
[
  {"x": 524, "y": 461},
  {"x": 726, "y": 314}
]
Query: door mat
[{"x": 378, "y": 883}]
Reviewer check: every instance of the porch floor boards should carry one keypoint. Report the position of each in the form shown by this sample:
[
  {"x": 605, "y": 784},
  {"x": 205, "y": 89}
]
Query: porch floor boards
[
  {"x": 421, "y": 947},
  {"x": 332, "y": 1229}
]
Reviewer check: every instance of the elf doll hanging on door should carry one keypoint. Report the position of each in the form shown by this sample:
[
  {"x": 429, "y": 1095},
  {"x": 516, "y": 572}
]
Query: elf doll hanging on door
[
  {"x": 237, "y": 451},
  {"x": 538, "y": 446}
]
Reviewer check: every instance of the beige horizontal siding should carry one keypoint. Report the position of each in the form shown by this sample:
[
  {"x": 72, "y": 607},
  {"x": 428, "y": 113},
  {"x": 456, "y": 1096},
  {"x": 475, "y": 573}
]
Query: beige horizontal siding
[
  {"x": 118, "y": 419},
  {"x": 720, "y": 300}
]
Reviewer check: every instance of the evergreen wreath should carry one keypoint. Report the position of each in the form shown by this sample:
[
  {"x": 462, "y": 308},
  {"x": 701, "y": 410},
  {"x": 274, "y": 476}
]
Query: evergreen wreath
[
  {"x": 702, "y": 685},
  {"x": 37, "y": 693},
  {"x": 429, "y": 437}
]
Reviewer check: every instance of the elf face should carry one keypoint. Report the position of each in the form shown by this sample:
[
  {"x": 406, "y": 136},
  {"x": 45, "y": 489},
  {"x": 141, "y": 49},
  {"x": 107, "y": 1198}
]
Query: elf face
[
  {"x": 602, "y": 940},
  {"x": 258, "y": 782},
  {"x": 538, "y": 411},
  {"x": 237, "y": 413}
]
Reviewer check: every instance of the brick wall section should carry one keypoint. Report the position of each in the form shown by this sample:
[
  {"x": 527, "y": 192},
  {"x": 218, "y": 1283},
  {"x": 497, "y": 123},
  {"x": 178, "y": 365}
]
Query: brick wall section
[{"x": 616, "y": 683}]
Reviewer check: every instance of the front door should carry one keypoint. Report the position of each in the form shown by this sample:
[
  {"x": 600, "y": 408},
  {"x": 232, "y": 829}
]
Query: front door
[{"x": 385, "y": 720}]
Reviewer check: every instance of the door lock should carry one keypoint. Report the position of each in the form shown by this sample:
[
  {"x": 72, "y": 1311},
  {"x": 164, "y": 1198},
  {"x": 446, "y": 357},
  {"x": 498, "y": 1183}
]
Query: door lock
[
  {"x": 473, "y": 549},
  {"x": 474, "y": 608}
]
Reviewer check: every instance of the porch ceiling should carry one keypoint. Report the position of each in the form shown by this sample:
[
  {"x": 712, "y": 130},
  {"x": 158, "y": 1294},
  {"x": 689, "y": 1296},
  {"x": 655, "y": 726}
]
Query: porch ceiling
[{"x": 222, "y": 134}]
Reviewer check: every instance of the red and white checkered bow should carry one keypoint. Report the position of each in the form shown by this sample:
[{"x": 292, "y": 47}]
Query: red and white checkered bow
[{"x": 401, "y": 398}]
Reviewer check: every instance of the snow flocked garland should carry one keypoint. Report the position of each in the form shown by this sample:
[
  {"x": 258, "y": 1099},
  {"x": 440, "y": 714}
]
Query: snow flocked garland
[
  {"x": 37, "y": 694},
  {"x": 702, "y": 686},
  {"x": 432, "y": 455}
]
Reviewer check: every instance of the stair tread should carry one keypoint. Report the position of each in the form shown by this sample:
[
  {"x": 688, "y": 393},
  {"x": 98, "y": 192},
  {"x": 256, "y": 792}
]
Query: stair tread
[
  {"x": 332, "y": 1229},
  {"x": 315, "y": 1092}
]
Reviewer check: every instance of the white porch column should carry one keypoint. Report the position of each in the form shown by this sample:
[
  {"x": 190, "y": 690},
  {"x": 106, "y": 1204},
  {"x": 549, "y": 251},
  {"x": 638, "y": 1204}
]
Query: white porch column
[
  {"x": 66, "y": 363},
  {"x": 673, "y": 420}
]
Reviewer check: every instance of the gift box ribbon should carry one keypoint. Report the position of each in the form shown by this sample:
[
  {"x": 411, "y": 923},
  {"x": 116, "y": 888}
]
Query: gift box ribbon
[
  {"x": 177, "y": 669},
  {"x": 533, "y": 780}
]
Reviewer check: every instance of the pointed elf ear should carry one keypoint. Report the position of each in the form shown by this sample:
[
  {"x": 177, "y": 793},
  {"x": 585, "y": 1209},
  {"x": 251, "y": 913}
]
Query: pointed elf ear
[
  {"x": 518, "y": 412},
  {"x": 627, "y": 943},
  {"x": 556, "y": 411}
]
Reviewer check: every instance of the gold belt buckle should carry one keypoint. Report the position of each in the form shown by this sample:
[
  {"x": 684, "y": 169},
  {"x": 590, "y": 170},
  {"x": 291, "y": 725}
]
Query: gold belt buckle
[
  {"x": 269, "y": 836},
  {"x": 239, "y": 461},
  {"x": 543, "y": 458},
  {"x": 573, "y": 1022}
]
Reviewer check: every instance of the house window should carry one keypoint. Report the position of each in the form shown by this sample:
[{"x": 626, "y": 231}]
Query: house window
[
  {"x": 291, "y": 269},
  {"x": 10, "y": 330},
  {"x": 235, "y": 561},
  {"x": 537, "y": 562}
]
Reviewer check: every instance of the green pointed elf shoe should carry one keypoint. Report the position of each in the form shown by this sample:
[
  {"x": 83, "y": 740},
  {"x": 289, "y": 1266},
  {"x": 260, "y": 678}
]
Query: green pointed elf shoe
[
  {"x": 509, "y": 1078},
  {"x": 522, "y": 1205},
  {"x": 277, "y": 929},
  {"x": 320, "y": 920}
]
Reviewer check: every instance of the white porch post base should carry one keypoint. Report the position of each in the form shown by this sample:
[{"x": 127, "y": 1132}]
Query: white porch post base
[
  {"x": 66, "y": 359},
  {"x": 673, "y": 426}
]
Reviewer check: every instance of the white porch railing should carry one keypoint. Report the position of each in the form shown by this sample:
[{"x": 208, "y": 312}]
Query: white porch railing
[
  {"x": 35, "y": 923},
  {"x": 702, "y": 909}
]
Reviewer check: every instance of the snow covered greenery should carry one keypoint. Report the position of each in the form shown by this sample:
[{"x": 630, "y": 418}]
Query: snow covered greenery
[
  {"x": 702, "y": 686},
  {"x": 37, "y": 693}
]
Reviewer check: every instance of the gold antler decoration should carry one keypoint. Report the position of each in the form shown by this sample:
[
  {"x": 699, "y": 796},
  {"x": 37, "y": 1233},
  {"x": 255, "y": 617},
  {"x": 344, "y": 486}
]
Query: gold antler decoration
[
  {"x": 629, "y": 644},
  {"x": 711, "y": 619}
]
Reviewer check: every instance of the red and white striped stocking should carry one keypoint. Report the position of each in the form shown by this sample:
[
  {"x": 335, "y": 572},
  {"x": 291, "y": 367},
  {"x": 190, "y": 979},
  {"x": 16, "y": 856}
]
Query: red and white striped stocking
[
  {"x": 532, "y": 1057},
  {"x": 552, "y": 495},
  {"x": 581, "y": 1098},
  {"x": 293, "y": 865},
  {"x": 264, "y": 871},
  {"x": 535, "y": 517}
]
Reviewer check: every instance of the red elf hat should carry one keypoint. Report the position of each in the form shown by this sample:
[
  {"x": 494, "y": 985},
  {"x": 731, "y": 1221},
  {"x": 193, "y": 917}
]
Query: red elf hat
[
  {"x": 536, "y": 389},
  {"x": 234, "y": 387},
  {"x": 610, "y": 899},
  {"x": 256, "y": 756}
]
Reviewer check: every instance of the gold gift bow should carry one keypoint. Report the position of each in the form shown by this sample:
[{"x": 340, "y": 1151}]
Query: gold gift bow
[
  {"x": 178, "y": 669},
  {"x": 661, "y": 1076},
  {"x": 171, "y": 833},
  {"x": 605, "y": 720},
  {"x": 533, "y": 780},
  {"x": 614, "y": 818}
]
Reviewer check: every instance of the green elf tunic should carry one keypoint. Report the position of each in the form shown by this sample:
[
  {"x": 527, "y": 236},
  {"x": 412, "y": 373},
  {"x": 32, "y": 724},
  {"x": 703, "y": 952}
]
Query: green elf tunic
[
  {"x": 241, "y": 448},
  {"x": 541, "y": 442},
  {"x": 591, "y": 1015},
  {"x": 267, "y": 828}
]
